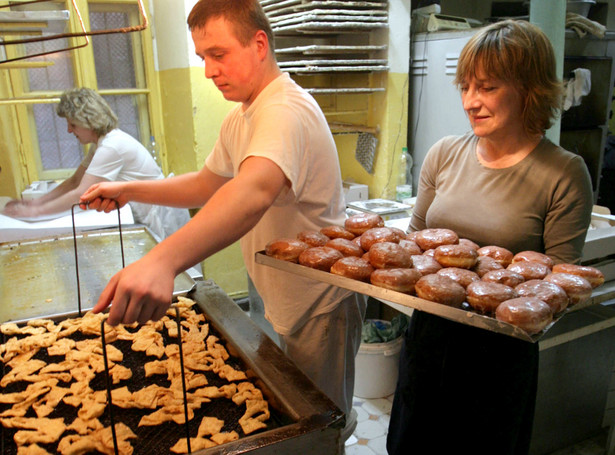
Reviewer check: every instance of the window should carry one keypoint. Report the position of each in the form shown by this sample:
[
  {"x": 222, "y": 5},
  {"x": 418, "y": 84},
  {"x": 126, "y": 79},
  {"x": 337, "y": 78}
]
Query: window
[{"x": 115, "y": 64}]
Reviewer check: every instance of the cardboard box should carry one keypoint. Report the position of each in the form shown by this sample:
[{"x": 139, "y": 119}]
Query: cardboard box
[{"x": 355, "y": 192}]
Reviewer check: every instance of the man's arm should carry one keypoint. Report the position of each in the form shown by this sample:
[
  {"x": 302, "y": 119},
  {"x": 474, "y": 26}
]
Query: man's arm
[
  {"x": 143, "y": 290},
  {"x": 190, "y": 190}
]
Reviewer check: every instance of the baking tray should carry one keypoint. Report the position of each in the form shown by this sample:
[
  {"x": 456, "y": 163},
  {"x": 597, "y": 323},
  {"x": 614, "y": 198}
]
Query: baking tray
[
  {"x": 395, "y": 298},
  {"x": 303, "y": 420},
  {"x": 38, "y": 277}
]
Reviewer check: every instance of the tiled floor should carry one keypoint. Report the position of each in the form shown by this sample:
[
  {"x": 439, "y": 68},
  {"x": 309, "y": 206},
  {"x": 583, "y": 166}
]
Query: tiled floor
[{"x": 369, "y": 438}]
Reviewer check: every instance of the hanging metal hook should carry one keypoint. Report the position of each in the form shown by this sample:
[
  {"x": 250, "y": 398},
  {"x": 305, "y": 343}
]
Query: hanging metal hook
[{"x": 84, "y": 33}]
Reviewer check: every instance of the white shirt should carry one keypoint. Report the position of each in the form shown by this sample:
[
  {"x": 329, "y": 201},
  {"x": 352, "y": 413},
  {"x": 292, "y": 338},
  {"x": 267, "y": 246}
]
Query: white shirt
[
  {"x": 120, "y": 157},
  {"x": 286, "y": 125}
]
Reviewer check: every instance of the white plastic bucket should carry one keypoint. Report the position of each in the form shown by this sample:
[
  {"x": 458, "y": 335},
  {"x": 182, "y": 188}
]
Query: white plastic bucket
[{"x": 376, "y": 369}]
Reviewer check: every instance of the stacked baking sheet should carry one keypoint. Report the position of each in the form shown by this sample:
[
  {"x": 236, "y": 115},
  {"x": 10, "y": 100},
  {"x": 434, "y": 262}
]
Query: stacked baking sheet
[
  {"x": 325, "y": 16},
  {"x": 329, "y": 18}
]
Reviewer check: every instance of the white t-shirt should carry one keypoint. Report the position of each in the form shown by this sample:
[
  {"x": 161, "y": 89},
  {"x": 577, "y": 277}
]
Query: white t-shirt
[
  {"x": 286, "y": 125},
  {"x": 120, "y": 157}
]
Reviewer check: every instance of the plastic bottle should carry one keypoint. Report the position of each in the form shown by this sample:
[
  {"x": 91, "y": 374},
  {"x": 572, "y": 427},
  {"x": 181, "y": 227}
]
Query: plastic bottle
[{"x": 404, "y": 182}]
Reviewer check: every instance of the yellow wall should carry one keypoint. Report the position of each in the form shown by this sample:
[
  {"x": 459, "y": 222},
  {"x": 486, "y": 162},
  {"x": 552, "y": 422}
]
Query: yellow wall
[
  {"x": 193, "y": 110},
  {"x": 389, "y": 111}
]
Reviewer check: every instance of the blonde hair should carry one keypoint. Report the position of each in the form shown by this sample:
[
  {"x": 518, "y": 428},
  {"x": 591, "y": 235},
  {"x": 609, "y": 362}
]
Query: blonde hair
[
  {"x": 87, "y": 108},
  {"x": 517, "y": 52}
]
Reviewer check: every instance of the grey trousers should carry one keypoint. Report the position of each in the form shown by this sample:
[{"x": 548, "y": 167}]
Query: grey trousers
[{"x": 326, "y": 346}]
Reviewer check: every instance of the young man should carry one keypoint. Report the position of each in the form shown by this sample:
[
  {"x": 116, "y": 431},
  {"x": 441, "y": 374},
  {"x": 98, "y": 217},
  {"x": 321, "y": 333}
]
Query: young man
[{"x": 273, "y": 172}]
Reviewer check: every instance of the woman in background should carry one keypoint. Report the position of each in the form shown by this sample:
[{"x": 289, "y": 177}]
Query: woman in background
[
  {"x": 113, "y": 156},
  {"x": 461, "y": 388}
]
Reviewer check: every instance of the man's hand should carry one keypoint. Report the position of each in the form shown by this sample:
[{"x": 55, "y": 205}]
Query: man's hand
[
  {"x": 103, "y": 196},
  {"x": 142, "y": 291}
]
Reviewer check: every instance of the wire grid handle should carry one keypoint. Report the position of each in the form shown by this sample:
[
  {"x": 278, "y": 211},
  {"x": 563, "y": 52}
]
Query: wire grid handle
[{"x": 119, "y": 224}]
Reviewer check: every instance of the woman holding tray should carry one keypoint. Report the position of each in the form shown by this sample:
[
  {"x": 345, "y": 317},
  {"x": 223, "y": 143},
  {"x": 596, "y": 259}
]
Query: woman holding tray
[{"x": 462, "y": 388}]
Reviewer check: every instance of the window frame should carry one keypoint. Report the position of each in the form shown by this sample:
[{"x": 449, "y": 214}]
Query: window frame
[{"x": 19, "y": 98}]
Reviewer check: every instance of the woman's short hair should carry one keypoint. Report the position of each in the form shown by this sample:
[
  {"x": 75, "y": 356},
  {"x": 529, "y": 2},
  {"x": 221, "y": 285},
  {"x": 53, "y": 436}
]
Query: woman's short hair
[
  {"x": 247, "y": 17},
  {"x": 517, "y": 52},
  {"x": 87, "y": 108}
]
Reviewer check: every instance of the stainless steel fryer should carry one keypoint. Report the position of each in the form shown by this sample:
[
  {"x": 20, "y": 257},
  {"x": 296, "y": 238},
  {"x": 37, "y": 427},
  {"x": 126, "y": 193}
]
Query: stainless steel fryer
[
  {"x": 38, "y": 277},
  {"x": 304, "y": 420}
]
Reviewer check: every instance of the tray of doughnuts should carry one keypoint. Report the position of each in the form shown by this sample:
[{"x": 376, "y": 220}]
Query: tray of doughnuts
[{"x": 521, "y": 295}]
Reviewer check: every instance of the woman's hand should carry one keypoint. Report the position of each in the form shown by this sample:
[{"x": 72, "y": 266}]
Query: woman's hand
[
  {"x": 103, "y": 197},
  {"x": 20, "y": 209}
]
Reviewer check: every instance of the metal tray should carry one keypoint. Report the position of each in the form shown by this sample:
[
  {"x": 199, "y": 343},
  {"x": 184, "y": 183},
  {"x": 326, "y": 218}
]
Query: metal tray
[
  {"x": 400, "y": 300},
  {"x": 38, "y": 277}
]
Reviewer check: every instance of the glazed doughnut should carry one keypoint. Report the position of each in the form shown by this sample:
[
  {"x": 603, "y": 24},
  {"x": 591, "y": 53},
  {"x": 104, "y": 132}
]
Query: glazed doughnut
[
  {"x": 455, "y": 256},
  {"x": 320, "y": 257},
  {"x": 462, "y": 276},
  {"x": 401, "y": 235},
  {"x": 345, "y": 246},
  {"x": 486, "y": 264},
  {"x": 502, "y": 255},
  {"x": 313, "y": 238},
  {"x": 469, "y": 243},
  {"x": 504, "y": 276},
  {"x": 379, "y": 234},
  {"x": 410, "y": 246},
  {"x": 411, "y": 235},
  {"x": 591, "y": 274},
  {"x": 530, "y": 270},
  {"x": 389, "y": 255},
  {"x": 352, "y": 267},
  {"x": 528, "y": 313},
  {"x": 336, "y": 232},
  {"x": 485, "y": 296},
  {"x": 440, "y": 289},
  {"x": 425, "y": 264},
  {"x": 548, "y": 292},
  {"x": 361, "y": 222},
  {"x": 577, "y": 288},
  {"x": 357, "y": 240},
  {"x": 432, "y": 238},
  {"x": 533, "y": 256},
  {"x": 431, "y": 252},
  {"x": 400, "y": 280},
  {"x": 286, "y": 249}
]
